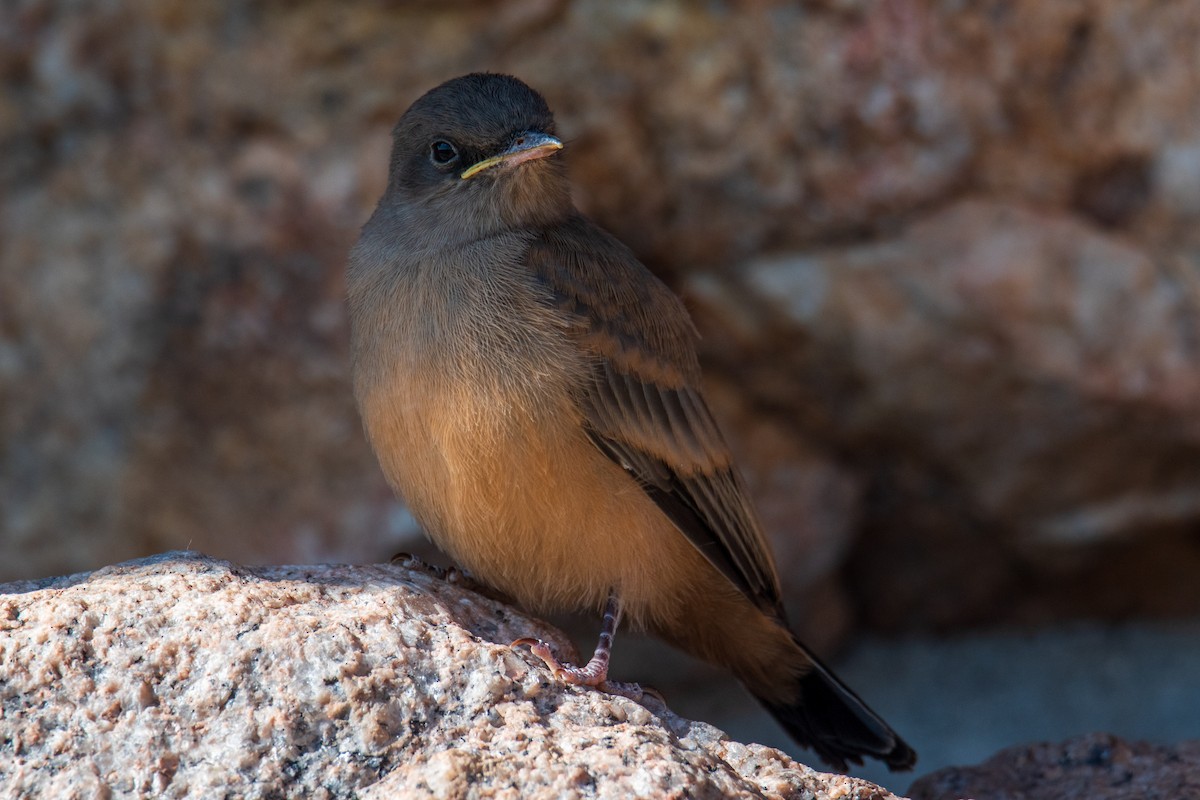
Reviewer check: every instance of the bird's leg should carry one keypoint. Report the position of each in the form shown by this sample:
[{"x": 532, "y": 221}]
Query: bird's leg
[{"x": 595, "y": 672}]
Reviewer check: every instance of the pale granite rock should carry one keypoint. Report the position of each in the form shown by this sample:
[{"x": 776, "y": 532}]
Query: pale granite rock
[{"x": 183, "y": 676}]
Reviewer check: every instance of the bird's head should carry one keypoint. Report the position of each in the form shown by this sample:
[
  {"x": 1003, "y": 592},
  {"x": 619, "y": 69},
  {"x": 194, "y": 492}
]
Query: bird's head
[{"x": 479, "y": 152}]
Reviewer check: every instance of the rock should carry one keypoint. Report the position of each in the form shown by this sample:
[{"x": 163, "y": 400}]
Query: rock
[
  {"x": 181, "y": 182},
  {"x": 1093, "y": 767},
  {"x": 1009, "y": 387},
  {"x": 183, "y": 676}
]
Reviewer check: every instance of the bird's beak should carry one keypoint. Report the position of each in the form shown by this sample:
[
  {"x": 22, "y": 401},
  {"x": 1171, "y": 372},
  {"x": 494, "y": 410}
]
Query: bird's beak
[{"x": 525, "y": 147}]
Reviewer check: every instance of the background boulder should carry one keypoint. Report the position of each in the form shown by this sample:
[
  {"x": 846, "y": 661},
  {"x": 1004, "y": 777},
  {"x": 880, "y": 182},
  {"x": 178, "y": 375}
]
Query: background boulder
[{"x": 944, "y": 257}]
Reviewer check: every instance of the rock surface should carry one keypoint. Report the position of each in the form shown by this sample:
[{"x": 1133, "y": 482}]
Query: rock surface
[
  {"x": 1016, "y": 390},
  {"x": 183, "y": 676},
  {"x": 973, "y": 229},
  {"x": 1094, "y": 767}
]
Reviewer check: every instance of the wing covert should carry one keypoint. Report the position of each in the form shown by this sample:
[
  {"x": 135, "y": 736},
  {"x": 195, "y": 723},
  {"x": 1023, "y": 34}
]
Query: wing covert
[{"x": 642, "y": 405}]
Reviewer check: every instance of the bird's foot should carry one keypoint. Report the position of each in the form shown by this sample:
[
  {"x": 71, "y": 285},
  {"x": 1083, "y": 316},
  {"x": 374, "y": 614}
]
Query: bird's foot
[
  {"x": 409, "y": 561},
  {"x": 460, "y": 577},
  {"x": 593, "y": 674},
  {"x": 454, "y": 575}
]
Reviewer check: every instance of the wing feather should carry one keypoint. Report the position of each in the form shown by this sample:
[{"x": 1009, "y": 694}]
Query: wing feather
[{"x": 643, "y": 407}]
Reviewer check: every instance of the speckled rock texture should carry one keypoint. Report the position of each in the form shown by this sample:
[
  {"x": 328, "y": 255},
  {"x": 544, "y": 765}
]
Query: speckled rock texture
[
  {"x": 944, "y": 257},
  {"x": 184, "y": 676},
  {"x": 1093, "y": 767}
]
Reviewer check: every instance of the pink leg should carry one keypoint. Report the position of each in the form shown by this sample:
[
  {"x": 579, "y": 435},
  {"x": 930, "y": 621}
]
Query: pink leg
[{"x": 595, "y": 672}]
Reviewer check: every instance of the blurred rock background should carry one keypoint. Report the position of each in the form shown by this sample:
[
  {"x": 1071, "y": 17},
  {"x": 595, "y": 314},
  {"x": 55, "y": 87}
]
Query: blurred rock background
[{"x": 945, "y": 257}]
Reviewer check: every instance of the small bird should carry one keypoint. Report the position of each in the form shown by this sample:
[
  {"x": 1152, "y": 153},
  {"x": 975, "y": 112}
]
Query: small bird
[{"x": 533, "y": 392}]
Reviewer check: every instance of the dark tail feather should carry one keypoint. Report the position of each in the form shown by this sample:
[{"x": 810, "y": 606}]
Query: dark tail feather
[{"x": 832, "y": 720}]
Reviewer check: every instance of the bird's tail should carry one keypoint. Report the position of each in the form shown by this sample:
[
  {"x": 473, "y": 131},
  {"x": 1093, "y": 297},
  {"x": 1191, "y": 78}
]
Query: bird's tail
[{"x": 832, "y": 720}]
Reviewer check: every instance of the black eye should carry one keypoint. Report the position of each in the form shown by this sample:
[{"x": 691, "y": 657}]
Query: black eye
[{"x": 442, "y": 152}]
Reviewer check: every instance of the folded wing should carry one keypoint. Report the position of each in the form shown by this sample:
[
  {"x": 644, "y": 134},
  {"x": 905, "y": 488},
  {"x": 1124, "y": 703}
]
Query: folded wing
[{"x": 642, "y": 404}]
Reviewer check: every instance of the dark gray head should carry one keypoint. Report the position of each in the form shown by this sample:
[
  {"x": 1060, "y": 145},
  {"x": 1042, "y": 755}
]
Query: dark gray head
[{"x": 476, "y": 155}]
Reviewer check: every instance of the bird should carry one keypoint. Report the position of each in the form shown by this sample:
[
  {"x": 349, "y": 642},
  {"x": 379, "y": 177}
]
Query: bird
[{"x": 533, "y": 392}]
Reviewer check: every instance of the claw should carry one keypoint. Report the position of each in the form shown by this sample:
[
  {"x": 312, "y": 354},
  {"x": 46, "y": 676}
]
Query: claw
[
  {"x": 527, "y": 641},
  {"x": 563, "y": 672},
  {"x": 410, "y": 561}
]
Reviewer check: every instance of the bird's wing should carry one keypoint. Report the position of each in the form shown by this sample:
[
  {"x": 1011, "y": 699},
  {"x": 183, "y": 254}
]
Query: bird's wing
[{"x": 642, "y": 405}]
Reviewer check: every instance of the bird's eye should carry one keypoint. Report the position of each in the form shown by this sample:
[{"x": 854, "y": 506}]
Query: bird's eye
[{"x": 442, "y": 152}]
